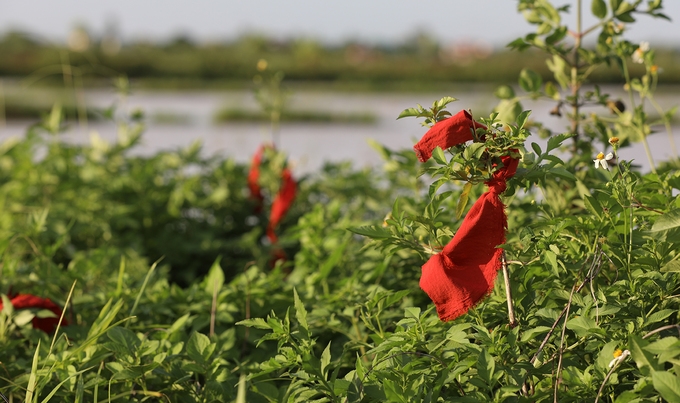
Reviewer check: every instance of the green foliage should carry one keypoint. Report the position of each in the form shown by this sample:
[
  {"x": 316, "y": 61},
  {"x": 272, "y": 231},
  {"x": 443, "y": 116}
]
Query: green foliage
[{"x": 593, "y": 254}]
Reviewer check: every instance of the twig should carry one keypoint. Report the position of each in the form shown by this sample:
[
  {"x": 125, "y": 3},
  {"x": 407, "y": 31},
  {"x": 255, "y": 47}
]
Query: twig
[
  {"x": 611, "y": 371},
  {"x": 661, "y": 329},
  {"x": 508, "y": 291},
  {"x": 593, "y": 270},
  {"x": 561, "y": 349}
]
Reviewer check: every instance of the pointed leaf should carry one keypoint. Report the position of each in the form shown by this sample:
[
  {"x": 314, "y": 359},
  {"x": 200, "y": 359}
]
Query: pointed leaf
[
  {"x": 463, "y": 200},
  {"x": 438, "y": 155},
  {"x": 215, "y": 279},
  {"x": 485, "y": 367},
  {"x": 667, "y": 221},
  {"x": 372, "y": 231},
  {"x": 300, "y": 311},
  {"x": 668, "y": 385},
  {"x": 673, "y": 266}
]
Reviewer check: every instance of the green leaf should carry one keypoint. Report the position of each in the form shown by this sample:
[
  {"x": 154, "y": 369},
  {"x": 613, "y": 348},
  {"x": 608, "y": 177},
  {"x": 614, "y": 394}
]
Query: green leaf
[
  {"x": 486, "y": 367},
  {"x": 659, "y": 316},
  {"x": 443, "y": 102},
  {"x": 667, "y": 384},
  {"x": 257, "y": 323},
  {"x": 645, "y": 361},
  {"x": 215, "y": 279},
  {"x": 623, "y": 7},
  {"x": 558, "y": 66},
  {"x": 325, "y": 358},
  {"x": 178, "y": 324},
  {"x": 534, "y": 332},
  {"x": 504, "y": 92},
  {"x": 334, "y": 258},
  {"x": 667, "y": 221},
  {"x": 463, "y": 200},
  {"x": 530, "y": 81},
  {"x": 438, "y": 155},
  {"x": 551, "y": 90},
  {"x": 32, "y": 378},
  {"x": 562, "y": 173},
  {"x": 593, "y": 206},
  {"x": 672, "y": 266},
  {"x": 372, "y": 231},
  {"x": 626, "y": 17},
  {"x": 599, "y": 8},
  {"x": 557, "y": 140},
  {"x": 300, "y": 312},
  {"x": 124, "y": 338},
  {"x": 522, "y": 118},
  {"x": 411, "y": 112},
  {"x": 197, "y": 347},
  {"x": 583, "y": 326}
]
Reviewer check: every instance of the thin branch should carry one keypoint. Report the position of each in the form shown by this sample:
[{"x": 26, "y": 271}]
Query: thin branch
[
  {"x": 561, "y": 349},
  {"x": 508, "y": 292},
  {"x": 592, "y": 272},
  {"x": 611, "y": 371},
  {"x": 661, "y": 329}
]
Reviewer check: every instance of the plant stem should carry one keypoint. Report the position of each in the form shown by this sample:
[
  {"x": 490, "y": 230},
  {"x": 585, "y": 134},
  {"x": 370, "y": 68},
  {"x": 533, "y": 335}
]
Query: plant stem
[
  {"x": 508, "y": 291},
  {"x": 558, "y": 376},
  {"x": 575, "y": 85}
]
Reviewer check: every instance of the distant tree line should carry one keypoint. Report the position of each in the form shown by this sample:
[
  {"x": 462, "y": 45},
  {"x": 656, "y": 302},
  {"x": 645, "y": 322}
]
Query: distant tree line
[{"x": 419, "y": 60}]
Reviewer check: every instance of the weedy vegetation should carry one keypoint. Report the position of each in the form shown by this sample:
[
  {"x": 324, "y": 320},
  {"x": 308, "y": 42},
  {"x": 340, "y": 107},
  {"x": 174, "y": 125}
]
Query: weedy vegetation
[{"x": 171, "y": 292}]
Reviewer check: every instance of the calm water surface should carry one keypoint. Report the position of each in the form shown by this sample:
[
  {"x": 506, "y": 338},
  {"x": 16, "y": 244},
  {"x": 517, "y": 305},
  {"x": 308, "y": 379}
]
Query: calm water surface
[{"x": 308, "y": 145}]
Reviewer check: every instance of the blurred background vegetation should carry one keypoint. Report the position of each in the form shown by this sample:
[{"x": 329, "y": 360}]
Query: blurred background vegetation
[{"x": 418, "y": 63}]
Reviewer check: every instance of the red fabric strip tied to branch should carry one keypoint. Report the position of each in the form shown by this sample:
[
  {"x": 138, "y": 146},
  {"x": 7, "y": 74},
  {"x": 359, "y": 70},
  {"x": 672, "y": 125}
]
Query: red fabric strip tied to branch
[
  {"x": 253, "y": 178},
  {"x": 282, "y": 201},
  {"x": 28, "y": 301},
  {"x": 464, "y": 272}
]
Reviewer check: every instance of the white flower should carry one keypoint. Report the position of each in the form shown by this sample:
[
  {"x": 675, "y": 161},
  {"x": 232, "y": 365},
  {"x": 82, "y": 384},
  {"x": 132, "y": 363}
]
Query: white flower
[
  {"x": 619, "y": 356},
  {"x": 639, "y": 54},
  {"x": 601, "y": 160}
]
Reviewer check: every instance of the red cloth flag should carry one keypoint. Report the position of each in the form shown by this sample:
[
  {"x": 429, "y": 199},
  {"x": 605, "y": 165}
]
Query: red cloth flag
[
  {"x": 464, "y": 272},
  {"x": 27, "y": 301},
  {"x": 254, "y": 177},
  {"x": 447, "y": 133},
  {"x": 282, "y": 202}
]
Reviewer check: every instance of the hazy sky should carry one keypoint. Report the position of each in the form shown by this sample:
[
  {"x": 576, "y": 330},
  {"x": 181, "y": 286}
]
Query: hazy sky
[{"x": 378, "y": 21}]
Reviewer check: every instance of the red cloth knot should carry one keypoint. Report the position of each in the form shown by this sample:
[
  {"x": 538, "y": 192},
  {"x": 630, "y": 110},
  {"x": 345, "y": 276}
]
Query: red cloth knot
[
  {"x": 447, "y": 133},
  {"x": 464, "y": 272}
]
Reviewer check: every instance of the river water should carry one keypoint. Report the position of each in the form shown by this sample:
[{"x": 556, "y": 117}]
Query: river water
[{"x": 310, "y": 145}]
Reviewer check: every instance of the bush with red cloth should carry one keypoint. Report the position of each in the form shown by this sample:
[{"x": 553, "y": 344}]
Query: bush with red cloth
[
  {"x": 284, "y": 197},
  {"x": 464, "y": 272}
]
